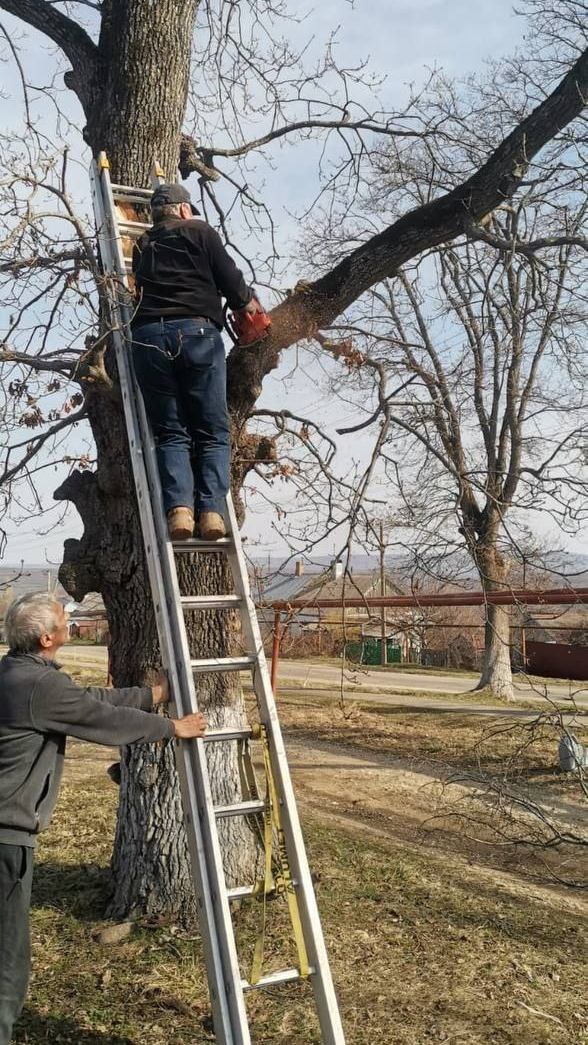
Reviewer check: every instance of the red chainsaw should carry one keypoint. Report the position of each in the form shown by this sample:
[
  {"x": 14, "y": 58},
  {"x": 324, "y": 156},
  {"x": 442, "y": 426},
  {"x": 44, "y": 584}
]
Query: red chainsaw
[{"x": 248, "y": 327}]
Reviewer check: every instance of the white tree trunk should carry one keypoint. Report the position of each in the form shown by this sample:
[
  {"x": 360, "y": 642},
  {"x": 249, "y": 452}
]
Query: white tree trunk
[
  {"x": 150, "y": 864},
  {"x": 496, "y": 670}
]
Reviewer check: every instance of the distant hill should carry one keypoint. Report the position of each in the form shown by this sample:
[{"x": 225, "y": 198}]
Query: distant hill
[
  {"x": 559, "y": 569},
  {"x": 563, "y": 568}
]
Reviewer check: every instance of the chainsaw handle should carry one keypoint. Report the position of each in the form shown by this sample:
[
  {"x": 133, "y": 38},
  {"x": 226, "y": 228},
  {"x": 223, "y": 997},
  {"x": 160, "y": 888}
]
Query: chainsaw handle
[{"x": 247, "y": 326}]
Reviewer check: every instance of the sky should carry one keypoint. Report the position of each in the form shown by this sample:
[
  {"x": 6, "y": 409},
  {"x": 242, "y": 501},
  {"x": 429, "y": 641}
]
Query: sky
[{"x": 402, "y": 41}]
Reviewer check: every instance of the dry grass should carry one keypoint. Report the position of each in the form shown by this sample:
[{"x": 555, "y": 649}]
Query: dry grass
[
  {"x": 418, "y": 955},
  {"x": 456, "y": 738}
]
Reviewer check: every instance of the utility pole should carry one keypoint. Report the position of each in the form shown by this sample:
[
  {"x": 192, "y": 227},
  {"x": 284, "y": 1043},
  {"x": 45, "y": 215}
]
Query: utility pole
[
  {"x": 523, "y": 616},
  {"x": 383, "y": 643}
]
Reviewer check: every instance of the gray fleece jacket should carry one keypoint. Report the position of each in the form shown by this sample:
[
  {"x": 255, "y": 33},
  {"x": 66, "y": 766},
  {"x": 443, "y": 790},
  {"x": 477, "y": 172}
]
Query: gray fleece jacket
[{"x": 39, "y": 706}]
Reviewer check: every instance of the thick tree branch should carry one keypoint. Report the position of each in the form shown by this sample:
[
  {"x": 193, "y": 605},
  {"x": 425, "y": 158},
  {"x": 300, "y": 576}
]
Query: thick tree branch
[
  {"x": 74, "y": 41},
  {"x": 38, "y": 363},
  {"x": 38, "y": 261},
  {"x": 439, "y": 221}
]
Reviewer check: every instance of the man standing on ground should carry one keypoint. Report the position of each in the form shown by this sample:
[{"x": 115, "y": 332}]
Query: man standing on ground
[
  {"x": 182, "y": 271},
  {"x": 39, "y": 707}
]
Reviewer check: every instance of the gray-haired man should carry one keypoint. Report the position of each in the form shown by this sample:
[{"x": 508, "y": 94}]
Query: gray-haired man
[{"x": 39, "y": 707}]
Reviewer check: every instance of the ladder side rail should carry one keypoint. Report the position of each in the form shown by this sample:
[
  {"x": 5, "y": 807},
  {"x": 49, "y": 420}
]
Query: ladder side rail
[
  {"x": 199, "y": 805},
  {"x": 144, "y": 462},
  {"x": 226, "y": 932},
  {"x": 199, "y": 810},
  {"x": 199, "y": 813},
  {"x": 321, "y": 979}
]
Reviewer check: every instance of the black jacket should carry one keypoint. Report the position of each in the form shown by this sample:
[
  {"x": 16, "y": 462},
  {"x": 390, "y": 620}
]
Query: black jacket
[
  {"x": 182, "y": 269},
  {"x": 39, "y": 706}
]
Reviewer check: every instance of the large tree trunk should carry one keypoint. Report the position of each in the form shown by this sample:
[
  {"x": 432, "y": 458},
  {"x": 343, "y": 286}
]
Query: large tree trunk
[
  {"x": 496, "y": 674},
  {"x": 496, "y": 670},
  {"x": 142, "y": 86},
  {"x": 136, "y": 113}
]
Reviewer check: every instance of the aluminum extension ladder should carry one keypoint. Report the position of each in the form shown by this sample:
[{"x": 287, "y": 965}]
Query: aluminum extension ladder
[{"x": 227, "y": 986}]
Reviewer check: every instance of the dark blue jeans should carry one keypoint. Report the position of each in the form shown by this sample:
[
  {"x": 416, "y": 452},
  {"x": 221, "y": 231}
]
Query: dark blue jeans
[
  {"x": 181, "y": 370},
  {"x": 16, "y": 875}
]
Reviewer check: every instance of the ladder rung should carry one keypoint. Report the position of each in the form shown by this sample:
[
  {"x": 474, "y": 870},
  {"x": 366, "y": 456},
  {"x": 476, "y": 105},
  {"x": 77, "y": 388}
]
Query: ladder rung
[
  {"x": 240, "y": 892},
  {"x": 133, "y": 226},
  {"x": 200, "y": 667},
  {"x": 131, "y": 190},
  {"x": 287, "y": 976},
  {"x": 240, "y": 808},
  {"x": 197, "y": 545},
  {"x": 227, "y": 734},
  {"x": 210, "y": 602}
]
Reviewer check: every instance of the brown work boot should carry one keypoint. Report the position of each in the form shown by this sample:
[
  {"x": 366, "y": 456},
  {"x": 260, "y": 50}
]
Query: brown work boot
[
  {"x": 180, "y": 524},
  {"x": 211, "y": 526}
]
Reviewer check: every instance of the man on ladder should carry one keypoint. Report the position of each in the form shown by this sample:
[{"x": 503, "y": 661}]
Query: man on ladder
[
  {"x": 181, "y": 271},
  {"x": 176, "y": 335}
]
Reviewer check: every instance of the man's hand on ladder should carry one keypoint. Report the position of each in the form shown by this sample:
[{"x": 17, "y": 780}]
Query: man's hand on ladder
[{"x": 189, "y": 726}]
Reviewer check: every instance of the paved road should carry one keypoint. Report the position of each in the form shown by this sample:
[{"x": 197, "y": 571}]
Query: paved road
[
  {"x": 388, "y": 687},
  {"x": 310, "y": 672}
]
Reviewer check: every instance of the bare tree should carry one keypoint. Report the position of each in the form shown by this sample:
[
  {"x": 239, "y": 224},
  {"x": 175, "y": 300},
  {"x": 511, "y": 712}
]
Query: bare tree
[
  {"x": 475, "y": 356},
  {"x": 58, "y": 344},
  {"x": 496, "y": 422}
]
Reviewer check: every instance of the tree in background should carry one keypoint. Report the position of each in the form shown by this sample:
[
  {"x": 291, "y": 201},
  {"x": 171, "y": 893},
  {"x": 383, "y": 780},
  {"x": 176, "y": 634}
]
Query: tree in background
[
  {"x": 482, "y": 339},
  {"x": 185, "y": 81}
]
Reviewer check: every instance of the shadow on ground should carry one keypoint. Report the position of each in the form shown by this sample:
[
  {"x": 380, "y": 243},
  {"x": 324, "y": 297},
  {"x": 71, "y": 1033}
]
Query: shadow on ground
[
  {"x": 82, "y": 890},
  {"x": 34, "y": 1029}
]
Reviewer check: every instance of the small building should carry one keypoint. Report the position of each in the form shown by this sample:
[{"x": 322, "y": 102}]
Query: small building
[
  {"x": 338, "y": 623},
  {"x": 556, "y": 641},
  {"x": 87, "y": 619}
]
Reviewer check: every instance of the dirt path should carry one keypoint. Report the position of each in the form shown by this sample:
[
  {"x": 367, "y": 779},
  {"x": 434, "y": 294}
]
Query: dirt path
[
  {"x": 362, "y": 679},
  {"x": 401, "y": 800},
  {"x": 426, "y": 690}
]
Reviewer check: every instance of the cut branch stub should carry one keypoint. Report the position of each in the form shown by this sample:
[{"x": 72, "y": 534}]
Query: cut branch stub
[
  {"x": 194, "y": 159},
  {"x": 249, "y": 450}
]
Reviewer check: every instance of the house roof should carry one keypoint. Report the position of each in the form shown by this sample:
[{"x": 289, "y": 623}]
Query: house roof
[
  {"x": 286, "y": 587},
  {"x": 328, "y": 587},
  {"x": 554, "y": 619},
  {"x": 91, "y": 607}
]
